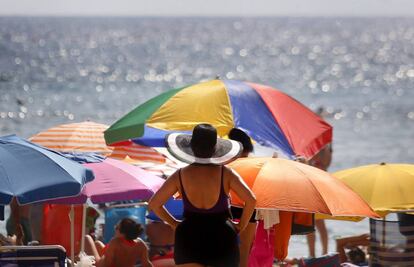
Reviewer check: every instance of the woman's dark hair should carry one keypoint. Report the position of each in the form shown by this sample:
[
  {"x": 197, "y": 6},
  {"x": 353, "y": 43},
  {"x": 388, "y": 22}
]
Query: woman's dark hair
[
  {"x": 356, "y": 255},
  {"x": 242, "y": 137},
  {"x": 204, "y": 140},
  {"x": 130, "y": 228}
]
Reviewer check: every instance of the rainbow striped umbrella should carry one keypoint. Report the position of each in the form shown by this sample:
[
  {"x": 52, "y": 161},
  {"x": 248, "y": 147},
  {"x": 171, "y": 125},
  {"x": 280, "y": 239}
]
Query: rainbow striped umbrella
[
  {"x": 272, "y": 118},
  {"x": 88, "y": 136}
]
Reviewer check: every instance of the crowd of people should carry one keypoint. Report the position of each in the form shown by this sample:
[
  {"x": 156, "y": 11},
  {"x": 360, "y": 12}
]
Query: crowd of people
[{"x": 212, "y": 232}]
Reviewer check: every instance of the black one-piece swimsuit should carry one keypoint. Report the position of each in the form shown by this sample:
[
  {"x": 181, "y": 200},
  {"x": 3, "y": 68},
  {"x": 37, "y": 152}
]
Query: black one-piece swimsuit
[{"x": 206, "y": 236}]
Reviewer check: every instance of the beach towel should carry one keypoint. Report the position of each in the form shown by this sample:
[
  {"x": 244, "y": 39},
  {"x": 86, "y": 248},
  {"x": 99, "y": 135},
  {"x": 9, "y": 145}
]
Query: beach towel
[
  {"x": 282, "y": 233},
  {"x": 56, "y": 226},
  {"x": 261, "y": 254},
  {"x": 329, "y": 260},
  {"x": 269, "y": 217}
]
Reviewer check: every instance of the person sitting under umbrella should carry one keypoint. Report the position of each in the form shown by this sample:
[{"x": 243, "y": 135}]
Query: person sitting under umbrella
[
  {"x": 355, "y": 255},
  {"x": 125, "y": 249},
  {"x": 14, "y": 240}
]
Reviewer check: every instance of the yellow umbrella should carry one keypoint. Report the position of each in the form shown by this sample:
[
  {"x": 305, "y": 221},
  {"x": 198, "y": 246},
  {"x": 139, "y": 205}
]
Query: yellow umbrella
[{"x": 385, "y": 187}]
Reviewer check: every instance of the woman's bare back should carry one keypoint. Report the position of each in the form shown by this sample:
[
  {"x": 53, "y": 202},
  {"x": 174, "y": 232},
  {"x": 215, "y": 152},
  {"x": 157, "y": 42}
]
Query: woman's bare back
[
  {"x": 202, "y": 184},
  {"x": 121, "y": 252}
]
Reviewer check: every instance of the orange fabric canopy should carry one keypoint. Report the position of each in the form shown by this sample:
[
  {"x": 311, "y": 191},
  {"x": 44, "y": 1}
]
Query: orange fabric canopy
[{"x": 292, "y": 186}]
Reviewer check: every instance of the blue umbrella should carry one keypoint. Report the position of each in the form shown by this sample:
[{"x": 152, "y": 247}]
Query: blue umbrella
[
  {"x": 174, "y": 206},
  {"x": 32, "y": 173}
]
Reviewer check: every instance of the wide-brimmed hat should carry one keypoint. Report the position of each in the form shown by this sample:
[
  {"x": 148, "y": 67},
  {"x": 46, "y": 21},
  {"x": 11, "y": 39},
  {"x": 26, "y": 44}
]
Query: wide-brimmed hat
[{"x": 203, "y": 146}]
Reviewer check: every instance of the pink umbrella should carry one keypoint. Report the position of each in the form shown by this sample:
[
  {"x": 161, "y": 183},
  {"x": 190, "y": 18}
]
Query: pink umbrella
[{"x": 116, "y": 181}]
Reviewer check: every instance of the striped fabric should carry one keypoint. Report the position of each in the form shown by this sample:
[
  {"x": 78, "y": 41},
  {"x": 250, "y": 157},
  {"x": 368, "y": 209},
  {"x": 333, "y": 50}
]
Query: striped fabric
[
  {"x": 136, "y": 154},
  {"x": 392, "y": 242},
  {"x": 84, "y": 136},
  {"x": 88, "y": 136}
]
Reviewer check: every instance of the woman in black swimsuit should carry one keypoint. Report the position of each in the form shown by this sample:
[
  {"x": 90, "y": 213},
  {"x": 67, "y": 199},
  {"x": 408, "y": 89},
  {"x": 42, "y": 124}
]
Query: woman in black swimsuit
[{"x": 206, "y": 236}]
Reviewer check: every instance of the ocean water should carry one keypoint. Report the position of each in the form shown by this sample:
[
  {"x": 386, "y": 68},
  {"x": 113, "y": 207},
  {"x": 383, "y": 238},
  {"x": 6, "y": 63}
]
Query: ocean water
[{"x": 361, "y": 70}]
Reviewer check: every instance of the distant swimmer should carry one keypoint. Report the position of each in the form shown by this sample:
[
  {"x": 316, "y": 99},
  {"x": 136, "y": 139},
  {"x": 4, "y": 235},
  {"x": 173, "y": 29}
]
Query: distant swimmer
[{"x": 19, "y": 102}]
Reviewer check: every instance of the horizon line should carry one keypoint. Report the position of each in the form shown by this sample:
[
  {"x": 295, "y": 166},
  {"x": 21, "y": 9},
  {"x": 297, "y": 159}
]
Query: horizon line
[{"x": 406, "y": 16}]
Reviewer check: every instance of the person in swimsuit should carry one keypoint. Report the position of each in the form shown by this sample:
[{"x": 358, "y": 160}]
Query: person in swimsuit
[
  {"x": 206, "y": 236},
  {"x": 19, "y": 215},
  {"x": 248, "y": 235},
  {"x": 124, "y": 250},
  {"x": 322, "y": 160},
  {"x": 161, "y": 242}
]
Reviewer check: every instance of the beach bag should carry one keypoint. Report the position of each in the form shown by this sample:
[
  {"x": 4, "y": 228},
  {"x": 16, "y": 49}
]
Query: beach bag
[{"x": 261, "y": 254}]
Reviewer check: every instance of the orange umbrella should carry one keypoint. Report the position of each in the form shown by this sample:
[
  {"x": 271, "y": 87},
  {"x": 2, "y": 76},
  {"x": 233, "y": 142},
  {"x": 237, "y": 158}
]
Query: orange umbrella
[
  {"x": 88, "y": 136},
  {"x": 292, "y": 186},
  {"x": 84, "y": 136}
]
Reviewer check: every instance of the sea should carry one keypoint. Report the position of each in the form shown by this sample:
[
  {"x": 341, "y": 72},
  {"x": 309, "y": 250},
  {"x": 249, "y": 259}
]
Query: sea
[{"x": 56, "y": 70}]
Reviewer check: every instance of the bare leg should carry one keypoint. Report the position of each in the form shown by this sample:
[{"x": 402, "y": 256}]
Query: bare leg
[
  {"x": 320, "y": 225},
  {"x": 311, "y": 244},
  {"x": 246, "y": 242}
]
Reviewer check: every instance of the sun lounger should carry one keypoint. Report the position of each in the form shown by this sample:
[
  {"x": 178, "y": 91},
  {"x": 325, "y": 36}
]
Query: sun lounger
[{"x": 32, "y": 256}]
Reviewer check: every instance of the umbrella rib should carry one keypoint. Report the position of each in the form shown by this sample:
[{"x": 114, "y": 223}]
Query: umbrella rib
[{"x": 319, "y": 194}]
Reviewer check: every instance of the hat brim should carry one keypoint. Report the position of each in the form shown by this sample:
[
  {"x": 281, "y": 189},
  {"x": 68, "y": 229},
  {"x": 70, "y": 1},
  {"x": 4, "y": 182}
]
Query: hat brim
[{"x": 179, "y": 146}]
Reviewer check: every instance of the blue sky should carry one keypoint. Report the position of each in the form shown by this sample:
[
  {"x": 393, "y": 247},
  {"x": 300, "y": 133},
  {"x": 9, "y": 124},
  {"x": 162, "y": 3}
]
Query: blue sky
[{"x": 208, "y": 7}]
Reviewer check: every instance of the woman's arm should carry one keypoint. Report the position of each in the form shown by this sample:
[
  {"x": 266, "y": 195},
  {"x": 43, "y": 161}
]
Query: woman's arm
[
  {"x": 108, "y": 258},
  {"x": 351, "y": 241},
  {"x": 243, "y": 191},
  {"x": 156, "y": 203}
]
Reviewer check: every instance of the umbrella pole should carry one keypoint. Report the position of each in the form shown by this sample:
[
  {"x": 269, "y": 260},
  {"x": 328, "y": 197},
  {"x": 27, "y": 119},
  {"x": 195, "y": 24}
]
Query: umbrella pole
[
  {"x": 72, "y": 234},
  {"x": 83, "y": 228},
  {"x": 383, "y": 231}
]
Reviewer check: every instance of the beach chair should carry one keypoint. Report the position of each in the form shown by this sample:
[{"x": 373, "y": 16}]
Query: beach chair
[
  {"x": 391, "y": 243},
  {"x": 33, "y": 256}
]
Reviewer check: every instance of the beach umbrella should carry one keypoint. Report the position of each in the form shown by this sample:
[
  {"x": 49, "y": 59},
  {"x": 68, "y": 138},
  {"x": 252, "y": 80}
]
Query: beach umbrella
[
  {"x": 32, "y": 173},
  {"x": 88, "y": 136},
  {"x": 271, "y": 117},
  {"x": 84, "y": 136},
  {"x": 116, "y": 181},
  {"x": 137, "y": 154},
  {"x": 385, "y": 187},
  {"x": 288, "y": 185},
  {"x": 174, "y": 206}
]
